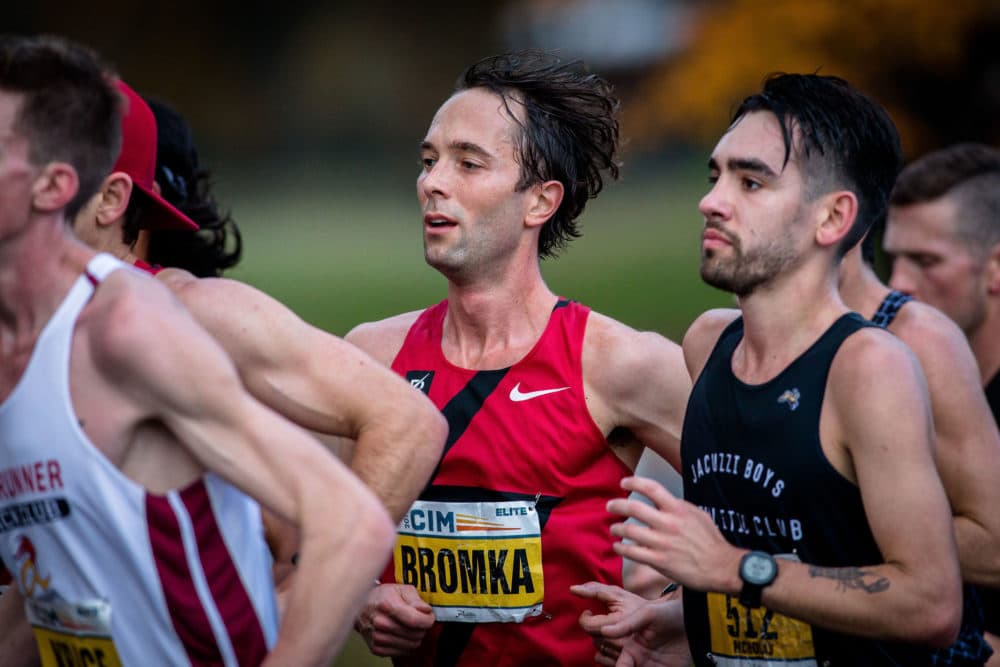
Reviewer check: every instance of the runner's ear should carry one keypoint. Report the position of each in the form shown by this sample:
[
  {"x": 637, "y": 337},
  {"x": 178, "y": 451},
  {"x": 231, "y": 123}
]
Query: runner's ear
[
  {"x": 546, "y": 198},
  {"x": 837, "y": 212},
  {"x": 55, "y": 187},
  {"x": 993, "y": 270},
  {"x": 116, "y": 191}
]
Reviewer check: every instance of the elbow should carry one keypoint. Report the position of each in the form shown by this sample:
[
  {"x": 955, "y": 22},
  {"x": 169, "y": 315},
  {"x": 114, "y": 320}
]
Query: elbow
[
  {"x": 384, "y": 530},
  {"x": 941, "y": 619},
  {"x": 374, "y": 544},
  {"x": 438, "y": 432},
  {"x": 942, "y": 633},
  {"x": 429, "y": 428}
]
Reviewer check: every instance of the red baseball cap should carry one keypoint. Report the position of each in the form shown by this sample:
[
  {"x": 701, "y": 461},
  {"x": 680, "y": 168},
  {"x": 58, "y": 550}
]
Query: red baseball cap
[{"x": 138, "y": 160}]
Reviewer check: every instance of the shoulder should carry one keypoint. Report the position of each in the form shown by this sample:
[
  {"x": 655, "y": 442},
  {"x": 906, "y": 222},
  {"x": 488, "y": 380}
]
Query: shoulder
[
  {"x": 130, "y": 315},
  {"x": 874, "y": 381},
  {"x": 126, "y": 306},
  {"x": 622, "y": 359},
  {"x": 702, "y": 335},
  {"x": 945, "y": 357},
  {"x": 211, "y": 295},
  {"x": 931, "y": 334},
  {"x": 248, "y": 322},
  {"x": 382, "y": 339},
  {"x": 620, "y": 344},
  {"x": 175, "y": 278},
  {"x": 635, "y": 380},
  {"x": 872, "y": 362}
]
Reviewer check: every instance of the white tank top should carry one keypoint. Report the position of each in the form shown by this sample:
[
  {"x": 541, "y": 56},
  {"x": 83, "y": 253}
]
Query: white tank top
[{"x": 112, "y": 574}]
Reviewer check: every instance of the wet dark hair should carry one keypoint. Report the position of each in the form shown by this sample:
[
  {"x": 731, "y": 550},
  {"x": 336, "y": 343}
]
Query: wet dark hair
[
  {"x": 969, "y": 173},
  {"x": 183, "y": 182},
  {"x": 844, "y": 139},
  {"x": 71, "y": 111},
  {"x": 569, "y": 132}
]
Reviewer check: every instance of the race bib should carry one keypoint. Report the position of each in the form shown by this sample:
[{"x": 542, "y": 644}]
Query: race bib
[
  {"x": 71, "y": 634},
  {"x": 473, "y": 562},
  {"x": 744, "y": 637}
]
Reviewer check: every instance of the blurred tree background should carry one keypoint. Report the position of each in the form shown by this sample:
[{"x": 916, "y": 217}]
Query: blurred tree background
[{"x": 310, "y": 114}]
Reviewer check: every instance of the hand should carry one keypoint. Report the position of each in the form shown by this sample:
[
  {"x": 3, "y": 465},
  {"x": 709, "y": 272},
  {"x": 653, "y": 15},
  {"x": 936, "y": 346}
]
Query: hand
[
  {"x": 678, "y": 539},
  {"x": 394, "y": 620},
  {"x": 636, "y": 631},
  {"x": 620, "y": 604}
]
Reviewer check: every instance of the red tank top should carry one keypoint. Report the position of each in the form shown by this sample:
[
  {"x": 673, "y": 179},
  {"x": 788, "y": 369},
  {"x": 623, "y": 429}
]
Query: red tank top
[{"x": 523, "y": 458}]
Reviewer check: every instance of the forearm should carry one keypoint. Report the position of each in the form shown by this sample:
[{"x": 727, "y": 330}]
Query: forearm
[
  {"x": 391, "y": 437},
  {"x": 868, "y": 601},
  {"x": 978, "y": 551},
  {"x": 396, "y": 458},
  {"x": 340, "y": 557},
  {"x": 643, "y": 580}
]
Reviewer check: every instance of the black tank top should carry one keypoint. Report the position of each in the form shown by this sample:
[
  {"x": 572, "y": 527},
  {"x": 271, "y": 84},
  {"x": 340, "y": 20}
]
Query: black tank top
[
  {"x": 752, "y": 459},
  {"x": 889, "y": 308}
]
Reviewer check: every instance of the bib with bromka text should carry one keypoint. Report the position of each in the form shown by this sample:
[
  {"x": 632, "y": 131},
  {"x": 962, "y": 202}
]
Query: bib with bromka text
[
  {"x": 474, "y": 562},
  {"x": 70, "y": 633}
]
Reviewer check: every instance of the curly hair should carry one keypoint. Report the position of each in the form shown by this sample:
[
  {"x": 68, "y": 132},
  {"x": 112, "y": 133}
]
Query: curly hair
[
  {"x": 217, "y": 244},
  {"x": 569, "y": 133}
]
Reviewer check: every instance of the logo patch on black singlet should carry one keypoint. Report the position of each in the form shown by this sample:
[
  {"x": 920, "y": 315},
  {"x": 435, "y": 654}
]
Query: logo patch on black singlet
[
  {"x": 790, "y": 398},
  {"x": 420, "y": 380}
]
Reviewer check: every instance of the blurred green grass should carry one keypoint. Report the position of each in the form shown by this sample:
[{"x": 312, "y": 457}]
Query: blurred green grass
[{"x": 341, "y": 256}]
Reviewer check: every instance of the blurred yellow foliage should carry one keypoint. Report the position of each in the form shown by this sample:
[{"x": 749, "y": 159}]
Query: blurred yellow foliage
[{"x": 736, "y": 43}]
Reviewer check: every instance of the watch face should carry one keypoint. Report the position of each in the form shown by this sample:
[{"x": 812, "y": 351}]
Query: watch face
[{"x": 758, "y": 568}]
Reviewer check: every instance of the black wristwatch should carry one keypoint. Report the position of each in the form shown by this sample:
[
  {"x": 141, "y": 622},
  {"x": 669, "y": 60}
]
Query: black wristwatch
[{"x": 757, "y": 570}]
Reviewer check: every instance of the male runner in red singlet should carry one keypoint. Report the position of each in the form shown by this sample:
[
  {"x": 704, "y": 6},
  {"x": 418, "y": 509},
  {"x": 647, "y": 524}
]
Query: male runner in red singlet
[
  {"x": 131, "y": 452},
  {"x": 547, "y": 401},
  {"x": 311, "y": 377}
]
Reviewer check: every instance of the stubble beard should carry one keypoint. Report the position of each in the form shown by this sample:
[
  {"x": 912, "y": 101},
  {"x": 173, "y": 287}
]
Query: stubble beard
[
  {"x": 447, "y": 260},
  {"x": 744, "y": 273}
]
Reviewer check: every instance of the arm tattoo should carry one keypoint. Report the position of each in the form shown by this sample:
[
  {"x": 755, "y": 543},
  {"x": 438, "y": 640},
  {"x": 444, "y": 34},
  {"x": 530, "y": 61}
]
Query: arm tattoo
[{"x": 849, "y": 578}]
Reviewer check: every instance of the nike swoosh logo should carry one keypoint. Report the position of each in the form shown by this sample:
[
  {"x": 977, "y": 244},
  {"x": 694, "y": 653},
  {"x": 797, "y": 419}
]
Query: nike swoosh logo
[{"x": 517, "y": 395}]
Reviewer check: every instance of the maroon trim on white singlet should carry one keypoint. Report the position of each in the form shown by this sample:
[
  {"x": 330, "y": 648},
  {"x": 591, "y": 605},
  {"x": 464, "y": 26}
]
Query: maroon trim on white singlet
[
  {"x": 186, "y": 611},
  {"x": 93, "y": 280},
  {"x": 231, "y": 598}
]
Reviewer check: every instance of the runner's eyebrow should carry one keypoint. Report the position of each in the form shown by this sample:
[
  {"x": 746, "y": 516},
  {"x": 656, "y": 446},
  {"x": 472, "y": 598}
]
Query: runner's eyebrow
[
  {"x": 460, "y": 146},
  {"x": 469, "y": 147},
  {"x": 744, "y": 164}
]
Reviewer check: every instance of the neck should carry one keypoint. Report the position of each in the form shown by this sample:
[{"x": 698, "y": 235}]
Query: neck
[
  {"x": 494, "y": 325},
  {"x": 985, "y": 344},
  {"x": 860, "y": 288},
  {"x": 120, "y": 250},
  {"x": 37, "y": 268},
  {"x": 782, "y": 320},
  {"x": 108, "y": 238}
]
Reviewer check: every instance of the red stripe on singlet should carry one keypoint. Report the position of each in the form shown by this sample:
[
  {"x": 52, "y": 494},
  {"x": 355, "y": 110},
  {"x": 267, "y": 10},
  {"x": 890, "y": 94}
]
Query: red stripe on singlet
[
  {"x": 93, "y": 280},
  {"x": 230, "y": 595},
  {"x": 186, "y": 611}
]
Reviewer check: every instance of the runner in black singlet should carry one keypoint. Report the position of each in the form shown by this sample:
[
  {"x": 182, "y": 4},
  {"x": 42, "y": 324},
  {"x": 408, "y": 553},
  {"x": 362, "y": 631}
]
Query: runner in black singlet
[{"x": 814, "y": 528}]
